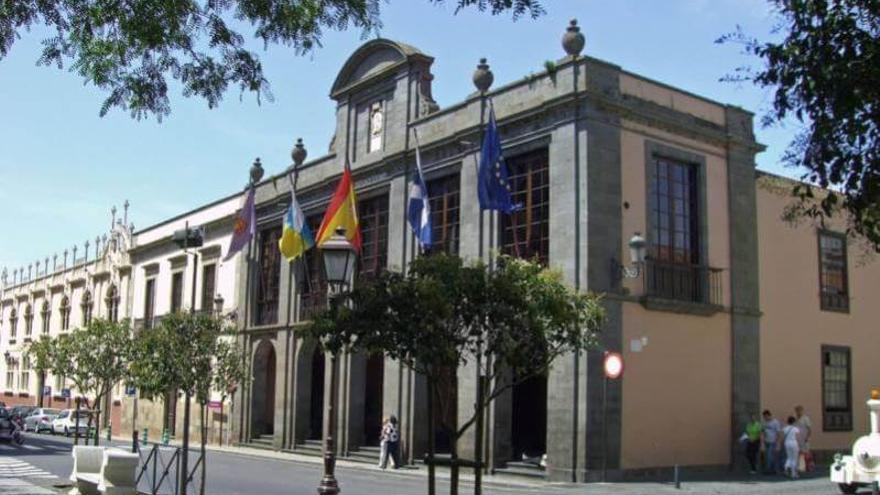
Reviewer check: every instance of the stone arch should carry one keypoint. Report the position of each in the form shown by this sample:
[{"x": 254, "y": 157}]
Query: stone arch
[
  {"x": 372, "y": 59},
  {"x": 263, "y": 389},
  {"x": 311, "y": 374}
]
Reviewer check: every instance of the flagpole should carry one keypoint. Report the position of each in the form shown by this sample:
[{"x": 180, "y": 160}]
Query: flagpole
[{"x": 298, "y": 154}]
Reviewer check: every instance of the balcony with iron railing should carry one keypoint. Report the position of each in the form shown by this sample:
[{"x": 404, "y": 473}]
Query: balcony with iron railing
[{"x": 681, "y": 287}]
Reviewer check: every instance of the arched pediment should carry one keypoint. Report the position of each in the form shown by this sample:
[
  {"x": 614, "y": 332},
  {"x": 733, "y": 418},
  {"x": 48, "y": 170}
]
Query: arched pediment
[{"x": 372, "y": 59}]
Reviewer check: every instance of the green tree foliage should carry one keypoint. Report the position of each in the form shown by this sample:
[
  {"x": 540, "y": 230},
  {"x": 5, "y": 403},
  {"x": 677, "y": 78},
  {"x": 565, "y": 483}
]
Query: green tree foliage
[
  {"x": 40, "y": 353},
  {"x": 131, "y": 48},
  {"x": 94, "y": 358},
  {"x": 514, "y": 319},
  {"x": 824, "y": 74},
  {"x": 191, "y": 352}
]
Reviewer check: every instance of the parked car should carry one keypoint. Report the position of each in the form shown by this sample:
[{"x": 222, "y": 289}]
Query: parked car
[
  {"x": 66, "y": 422},
  {"x": 40, "y": 419},
  {"x": 9, "y": 431},
  {"x": 18, "y": 413}
]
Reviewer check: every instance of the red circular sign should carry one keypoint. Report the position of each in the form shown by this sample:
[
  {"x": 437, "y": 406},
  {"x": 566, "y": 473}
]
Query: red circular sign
[{"x": 613, "y": 365}]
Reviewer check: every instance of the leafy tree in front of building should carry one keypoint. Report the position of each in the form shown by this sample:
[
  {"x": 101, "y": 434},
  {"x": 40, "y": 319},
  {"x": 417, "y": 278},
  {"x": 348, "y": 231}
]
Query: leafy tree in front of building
[
  {"x": 512, "y": 320},
  {"x": 824, "y": 76},
  {"x": 94, "y": 359},
  {"x": 194, "y": 353},
  {"x": 134, "y": 50},
  {"x": 39, "y": 352}
]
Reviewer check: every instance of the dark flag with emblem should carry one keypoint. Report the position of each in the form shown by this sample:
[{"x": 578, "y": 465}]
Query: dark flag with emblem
[
  {"x": 493, "y": 183},
  {"x": 245, "y": 226}
]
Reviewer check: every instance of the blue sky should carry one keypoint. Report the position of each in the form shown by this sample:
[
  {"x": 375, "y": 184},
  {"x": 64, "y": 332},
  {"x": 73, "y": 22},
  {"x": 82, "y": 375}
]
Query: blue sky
[{"x": 62, "y": 166}]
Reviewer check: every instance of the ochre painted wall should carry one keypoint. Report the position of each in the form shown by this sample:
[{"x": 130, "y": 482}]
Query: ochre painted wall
[
  {"x": 794, "y": 328},
  {"x": 676, "y": 390}
]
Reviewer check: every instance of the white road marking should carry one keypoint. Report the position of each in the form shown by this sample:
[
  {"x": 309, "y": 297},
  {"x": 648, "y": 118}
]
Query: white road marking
[{"x": 14, "y": 468}]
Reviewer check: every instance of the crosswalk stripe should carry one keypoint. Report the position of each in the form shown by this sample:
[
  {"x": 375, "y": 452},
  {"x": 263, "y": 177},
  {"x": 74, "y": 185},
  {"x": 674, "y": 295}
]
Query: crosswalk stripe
[{"x": 17, "y": 469}]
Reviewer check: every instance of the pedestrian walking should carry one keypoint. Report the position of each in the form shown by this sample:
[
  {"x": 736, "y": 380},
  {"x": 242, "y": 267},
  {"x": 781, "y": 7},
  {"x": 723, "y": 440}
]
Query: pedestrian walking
[
  {"x": 791, "y": 441},
  {"x": 383, "y": 444},
  {"x": 805, "y": 427},
  {"x": 752, "y": 438},
  {"x": 389, "y": 443},
  {"x": 771, "y": 443}
]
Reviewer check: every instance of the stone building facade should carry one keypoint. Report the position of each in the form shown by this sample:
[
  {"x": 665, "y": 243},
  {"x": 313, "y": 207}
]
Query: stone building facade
[{"x": 596, "y": 154}]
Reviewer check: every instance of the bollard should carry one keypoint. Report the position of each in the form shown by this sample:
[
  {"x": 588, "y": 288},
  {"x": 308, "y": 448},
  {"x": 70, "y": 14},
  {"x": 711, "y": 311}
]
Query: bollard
[
  {"x": 109, "y": 434},
  {"x": 677, "y": 478},
  {"x": 165, "y": 437},
  {"x": 144, "y": 437},
  {"x": 134, "y": 441}
]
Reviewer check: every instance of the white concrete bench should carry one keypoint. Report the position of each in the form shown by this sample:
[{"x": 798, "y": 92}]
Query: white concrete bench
[{"x": 104, "y": 470}]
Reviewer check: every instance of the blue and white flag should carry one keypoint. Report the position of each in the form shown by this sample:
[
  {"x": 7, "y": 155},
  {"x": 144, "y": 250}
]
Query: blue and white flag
[
  {"x": 493, "y": 185},
  {"x": 419, "y": 211}
]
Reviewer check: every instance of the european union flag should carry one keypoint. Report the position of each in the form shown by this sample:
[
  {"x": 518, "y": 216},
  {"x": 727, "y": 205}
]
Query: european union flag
[{"x": 493, "y": 184}]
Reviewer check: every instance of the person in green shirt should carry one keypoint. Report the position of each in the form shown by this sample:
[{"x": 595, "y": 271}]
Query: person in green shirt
[{"x": 752, "y": 436}]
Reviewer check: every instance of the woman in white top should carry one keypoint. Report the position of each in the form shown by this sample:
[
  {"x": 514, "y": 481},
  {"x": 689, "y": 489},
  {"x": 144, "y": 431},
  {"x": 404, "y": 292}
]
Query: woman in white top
[{"x": 792, "y": 447}]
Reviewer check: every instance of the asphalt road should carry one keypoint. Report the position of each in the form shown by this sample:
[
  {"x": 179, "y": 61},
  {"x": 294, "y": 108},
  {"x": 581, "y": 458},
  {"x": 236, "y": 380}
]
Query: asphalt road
[{"x": 237, "y": 473}]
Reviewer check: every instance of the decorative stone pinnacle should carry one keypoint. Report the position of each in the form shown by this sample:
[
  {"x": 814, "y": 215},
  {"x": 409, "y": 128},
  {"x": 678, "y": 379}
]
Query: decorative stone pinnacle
[
  {"x": 573, "y": 40},
  {"x": 483, "y": 76},
  {"x": 299, "y": 153},
  {"x": 256, "y": 171},
  {"x": 125, "y": 210}
]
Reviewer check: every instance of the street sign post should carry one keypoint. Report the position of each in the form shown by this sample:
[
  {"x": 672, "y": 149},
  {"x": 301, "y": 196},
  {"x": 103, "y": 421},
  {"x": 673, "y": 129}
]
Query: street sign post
[
  {"x": 612, "y": 366},
  {"x": 65, "y": 393},
  {"x": 47, "y": 390}
]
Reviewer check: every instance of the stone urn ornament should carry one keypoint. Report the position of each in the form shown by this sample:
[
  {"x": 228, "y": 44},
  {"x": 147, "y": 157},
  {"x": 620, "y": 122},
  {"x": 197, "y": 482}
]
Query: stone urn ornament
[
  {"x": 573, "y": 40},
  {"x": 483, "y": 77}
]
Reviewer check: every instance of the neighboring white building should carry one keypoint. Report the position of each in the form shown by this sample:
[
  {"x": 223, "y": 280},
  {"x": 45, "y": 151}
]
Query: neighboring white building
[{"x": 85, "y": 282}]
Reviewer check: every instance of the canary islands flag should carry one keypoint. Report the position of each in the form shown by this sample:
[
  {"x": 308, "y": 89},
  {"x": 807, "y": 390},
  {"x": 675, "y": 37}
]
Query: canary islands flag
[
  {"x": 342, "y": 213},
  {"x": 296, "y": 237}
]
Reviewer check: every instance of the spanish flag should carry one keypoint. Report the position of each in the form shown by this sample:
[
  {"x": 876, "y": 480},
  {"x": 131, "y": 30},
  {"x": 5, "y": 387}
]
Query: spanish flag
[{"x": 342, "y": 213}]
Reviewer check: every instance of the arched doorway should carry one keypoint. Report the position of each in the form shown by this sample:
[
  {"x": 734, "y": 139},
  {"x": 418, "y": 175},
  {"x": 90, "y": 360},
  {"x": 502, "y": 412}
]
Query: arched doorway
[
  {"x": 529, "y": 422},
  {"x": 263, "y": 391},
  {"x": 373, "y": 386},
  {"x": 316, "y": 414}
]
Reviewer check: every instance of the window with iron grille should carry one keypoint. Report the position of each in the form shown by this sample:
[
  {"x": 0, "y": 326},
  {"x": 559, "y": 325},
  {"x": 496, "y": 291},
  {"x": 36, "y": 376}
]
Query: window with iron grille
[
  {"x": 443, "y": 194},
  {"x": 675, "y": 212},
  {"x": 836, "y": 389},
  {"x": 311, "y": 285},
  {"x": 112, "y": 301},
  {"x": 149, "y": 302},
  {"x": 526, "y": 232},
  {"x": 46, "y": 313},
  {"x": 373, "y": 220},
  {"x": 13, "y": 324},
  {"x": 209, "y": 273},
  {"x": 176, "y": 291},
  {"x": 833, "y": 271},
  {"x": 65, "y": 313},
  {"x": 268, "y": 277},
  {"x": 28, "y": 321},
  {"x": 86, "y": 308}
]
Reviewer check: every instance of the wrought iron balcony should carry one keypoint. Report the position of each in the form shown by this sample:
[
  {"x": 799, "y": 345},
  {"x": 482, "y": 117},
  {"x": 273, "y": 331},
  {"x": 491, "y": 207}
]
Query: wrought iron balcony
[
  {"x": 683, "y": 282},
  {"x": 312, "y": 303}
]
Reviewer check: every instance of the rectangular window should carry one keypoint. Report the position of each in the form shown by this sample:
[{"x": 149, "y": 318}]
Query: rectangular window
[
  {"x": 373, "y": 219},
  {"x": 59, "y": 384},
  {"x": 526, "y": 232},
  {"x": 28, "y": 323},
  {"x": 10, "y": 378},
  {"x": 65, "y": 313},
  {"x": 46, "y": 319},
  {"x": 268, "y": 277},
  {"x": 836, "y": 389},
  {"x": 675, "y": 212},
  {"x": 13, "y": 325},
  {"x": 176, "y": 291},
  {"x": 833, "y": 271},
  {"x": 149, "y": 302},
  {"x": 311, "y": 283},
  {"x": 25, "y": 380},
  {"x": 444, "y": 202},
  {"x": 208, "y": 277}
]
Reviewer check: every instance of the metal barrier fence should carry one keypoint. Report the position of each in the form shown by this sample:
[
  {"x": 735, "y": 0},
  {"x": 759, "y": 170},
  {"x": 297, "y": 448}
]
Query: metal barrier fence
[{"x": 159, "y": 470}]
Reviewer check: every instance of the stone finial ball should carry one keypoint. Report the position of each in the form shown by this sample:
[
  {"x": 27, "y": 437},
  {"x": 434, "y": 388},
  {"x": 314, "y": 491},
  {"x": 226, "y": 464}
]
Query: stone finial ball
[
  {"x": 573, "y": 40},
  {"x": 299, "y": 153},
  {"x": 256, "y": 171},
  {"x": 483, "y": 77}
]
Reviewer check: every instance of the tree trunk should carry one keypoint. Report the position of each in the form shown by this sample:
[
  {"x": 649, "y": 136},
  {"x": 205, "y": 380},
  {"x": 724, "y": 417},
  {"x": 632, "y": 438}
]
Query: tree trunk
[
  {"x": 432, "y": 450},
  {"x": 204, "y": 417},
  {"x": 76, "y": 424},
  {"x": 453, "y": 468},
  {"x": 40, "y": 386}
]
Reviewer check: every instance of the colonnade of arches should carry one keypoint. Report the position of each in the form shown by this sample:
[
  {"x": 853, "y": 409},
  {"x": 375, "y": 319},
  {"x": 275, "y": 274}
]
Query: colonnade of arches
[{"x": 367, "y": 388}]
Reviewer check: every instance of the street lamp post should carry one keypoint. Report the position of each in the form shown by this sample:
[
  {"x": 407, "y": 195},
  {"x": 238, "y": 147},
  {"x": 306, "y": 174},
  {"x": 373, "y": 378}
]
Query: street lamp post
[
  {"x": 185, "y": 239},
  {"x": 339, "y": 262}
]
